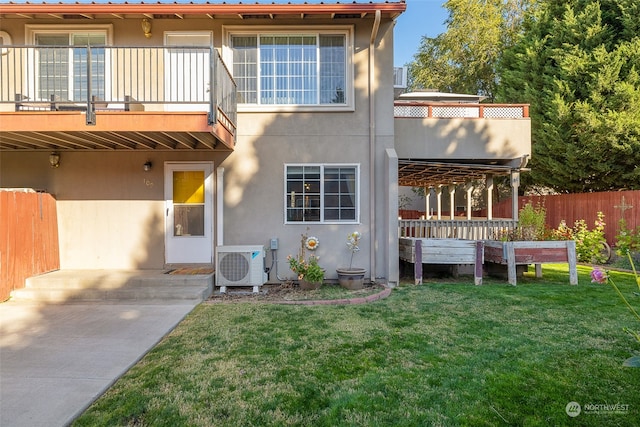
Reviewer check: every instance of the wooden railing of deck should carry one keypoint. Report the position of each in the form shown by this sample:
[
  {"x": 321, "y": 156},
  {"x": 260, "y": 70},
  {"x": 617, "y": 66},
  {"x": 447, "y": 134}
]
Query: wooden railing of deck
[{"x": 475, "y": 229}]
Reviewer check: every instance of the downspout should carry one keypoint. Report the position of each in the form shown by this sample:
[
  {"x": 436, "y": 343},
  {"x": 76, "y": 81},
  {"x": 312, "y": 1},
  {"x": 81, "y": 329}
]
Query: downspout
[{"x": 372, "y": 147}]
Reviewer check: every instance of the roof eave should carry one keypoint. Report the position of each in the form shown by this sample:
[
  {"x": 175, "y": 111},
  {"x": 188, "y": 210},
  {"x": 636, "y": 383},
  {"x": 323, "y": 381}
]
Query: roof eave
[{"x": 363, "y": 9}]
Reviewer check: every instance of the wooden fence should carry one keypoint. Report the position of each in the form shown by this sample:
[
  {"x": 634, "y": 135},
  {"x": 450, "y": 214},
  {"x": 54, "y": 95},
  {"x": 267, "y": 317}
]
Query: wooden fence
[
  {"x": 572, "y": 207},
  {"x": 28, "y": 237}
]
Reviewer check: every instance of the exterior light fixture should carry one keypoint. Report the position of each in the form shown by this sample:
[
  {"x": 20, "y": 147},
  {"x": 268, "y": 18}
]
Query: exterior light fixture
[
  {"x": 147, "y": 166},
  {"x": 54, "y": 159},
  {"x": 146, "y": 28}
]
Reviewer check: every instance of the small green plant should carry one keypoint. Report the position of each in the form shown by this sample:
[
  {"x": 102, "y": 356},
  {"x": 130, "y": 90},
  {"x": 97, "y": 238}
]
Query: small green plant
[
  {"x": 589, "y": 243},
  {"x": 563, "y": 232},
  {"x": 352, "y": 243},
  {"x": 306, "y": 269},
  {"x": 531, "y": 224},
  {"x": 627, "y": 240}
]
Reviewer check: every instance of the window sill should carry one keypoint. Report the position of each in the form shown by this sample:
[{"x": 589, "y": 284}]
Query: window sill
[{"x": 295, "y": 108}]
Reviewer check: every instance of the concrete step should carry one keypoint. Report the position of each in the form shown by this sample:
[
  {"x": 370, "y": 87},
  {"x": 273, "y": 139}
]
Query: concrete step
[{"x": 152, "y": 286}]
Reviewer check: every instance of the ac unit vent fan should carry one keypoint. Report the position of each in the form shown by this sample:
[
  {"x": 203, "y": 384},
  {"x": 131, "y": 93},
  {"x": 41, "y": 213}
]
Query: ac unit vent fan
[{"x": 240, "y": 266}]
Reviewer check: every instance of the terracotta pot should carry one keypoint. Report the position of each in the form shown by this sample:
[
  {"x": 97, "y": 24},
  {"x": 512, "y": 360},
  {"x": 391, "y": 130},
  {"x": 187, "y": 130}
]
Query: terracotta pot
[
  {"x": 309, "y": 286},
  {"x": 351, "y": 278}
]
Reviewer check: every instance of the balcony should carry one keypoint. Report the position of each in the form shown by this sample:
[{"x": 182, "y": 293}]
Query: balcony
[
  {"x": 461, "y": 132},
  {"x": 452, "y": 139},
  {"x": 110, "y": 98}
]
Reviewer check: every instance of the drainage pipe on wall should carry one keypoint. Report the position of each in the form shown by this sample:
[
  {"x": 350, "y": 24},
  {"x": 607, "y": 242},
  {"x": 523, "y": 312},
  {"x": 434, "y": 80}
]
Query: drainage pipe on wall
[{"x": 372, "y": 147}]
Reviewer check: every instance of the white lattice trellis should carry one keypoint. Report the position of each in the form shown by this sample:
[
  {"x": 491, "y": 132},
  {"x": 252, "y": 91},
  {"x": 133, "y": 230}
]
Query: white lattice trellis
[
  {"x": 503, "y": 112},
  {"x": 411, "y": 111},
  {"x": 460, "y": 111},
  {"x": 455, "y": 112}
]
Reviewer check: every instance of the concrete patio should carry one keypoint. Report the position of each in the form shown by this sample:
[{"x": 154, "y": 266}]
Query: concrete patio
[{"x": 68, "y": 337}]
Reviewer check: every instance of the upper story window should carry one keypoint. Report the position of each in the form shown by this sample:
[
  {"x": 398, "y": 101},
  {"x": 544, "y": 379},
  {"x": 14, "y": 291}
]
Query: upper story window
[
  {"x": 301, "y": 68},
  {"x": 62, "y": 63}
]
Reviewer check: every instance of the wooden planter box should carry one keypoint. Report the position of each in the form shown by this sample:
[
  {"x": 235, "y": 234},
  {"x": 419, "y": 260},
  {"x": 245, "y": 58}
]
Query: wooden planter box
[
  {"x": 441, "y": 251},
  {"x": 512, "y": 254}
]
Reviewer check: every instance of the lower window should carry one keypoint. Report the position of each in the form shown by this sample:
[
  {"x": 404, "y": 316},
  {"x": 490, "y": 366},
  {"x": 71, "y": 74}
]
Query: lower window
[{"x": 321, "y": 193}]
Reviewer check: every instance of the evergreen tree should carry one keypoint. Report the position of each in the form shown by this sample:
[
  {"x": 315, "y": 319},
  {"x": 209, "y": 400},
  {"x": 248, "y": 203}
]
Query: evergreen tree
[{"x": 577, "y": 63}]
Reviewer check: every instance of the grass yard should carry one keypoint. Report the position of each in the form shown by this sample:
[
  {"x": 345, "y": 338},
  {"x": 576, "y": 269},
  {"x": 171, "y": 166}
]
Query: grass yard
[{"x": 445, "y": 353}]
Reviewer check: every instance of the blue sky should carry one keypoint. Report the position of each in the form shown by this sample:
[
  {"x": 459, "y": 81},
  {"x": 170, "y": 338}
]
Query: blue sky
[{"x": 422, "y": 18}]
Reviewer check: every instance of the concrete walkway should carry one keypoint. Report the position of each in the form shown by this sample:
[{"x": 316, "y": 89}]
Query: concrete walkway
[{"x": 56, "y": 359}]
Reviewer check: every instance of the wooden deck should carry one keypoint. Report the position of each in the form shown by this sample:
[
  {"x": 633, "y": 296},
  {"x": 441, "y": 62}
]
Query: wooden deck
[{"x": 442, "y": 251}]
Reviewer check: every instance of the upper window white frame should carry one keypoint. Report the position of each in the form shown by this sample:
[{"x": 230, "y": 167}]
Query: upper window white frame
[
  {"x": 346, "y": 31},
  {"x": 33, "y": 30},
  {"x": 321, "y": 193}
]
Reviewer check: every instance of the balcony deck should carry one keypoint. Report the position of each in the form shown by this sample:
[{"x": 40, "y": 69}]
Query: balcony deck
[
  {"x": 138, "y": 98},
  {"x": 443, "y": 143}
]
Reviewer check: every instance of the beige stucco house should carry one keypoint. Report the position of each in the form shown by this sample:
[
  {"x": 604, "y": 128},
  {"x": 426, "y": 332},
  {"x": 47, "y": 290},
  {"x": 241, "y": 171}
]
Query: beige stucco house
[{"x": 177, "y": 128}]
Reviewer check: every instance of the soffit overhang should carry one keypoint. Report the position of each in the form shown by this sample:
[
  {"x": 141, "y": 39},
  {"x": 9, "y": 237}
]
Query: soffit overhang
[
  {"x": 210, "y": 10},
  {"x": 28, "y": 131},
  {"x": 424, "y": 173}
]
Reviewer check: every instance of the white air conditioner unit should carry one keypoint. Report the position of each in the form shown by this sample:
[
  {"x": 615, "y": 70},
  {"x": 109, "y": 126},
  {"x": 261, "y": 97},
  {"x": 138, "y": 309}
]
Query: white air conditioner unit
[{"x": 240, "y": 266}]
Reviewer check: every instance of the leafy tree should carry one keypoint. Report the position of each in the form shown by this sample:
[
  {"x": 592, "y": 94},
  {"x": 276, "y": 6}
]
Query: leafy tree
[
  {"x": 463, "y": 59},
  {"x": 577, "y": 63}
]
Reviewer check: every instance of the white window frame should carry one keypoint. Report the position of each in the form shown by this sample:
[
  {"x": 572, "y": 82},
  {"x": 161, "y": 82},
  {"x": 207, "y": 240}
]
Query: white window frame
[
  {"x": 349, "y": 90},
  {"x": 32, "y": 30},
  {"x": 322, "y": 166}
]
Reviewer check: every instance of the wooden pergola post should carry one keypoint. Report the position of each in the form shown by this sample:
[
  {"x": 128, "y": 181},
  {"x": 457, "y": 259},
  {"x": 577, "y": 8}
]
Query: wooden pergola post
[
  {"x": 469, "y": 189},
  {"x": 439, "y": 200},
  {"x": 427, "y": 202},
  {"x": 452, "y": 201},
  {"x": 489, "y": 182},
  {"x": 515, "y": 183}
]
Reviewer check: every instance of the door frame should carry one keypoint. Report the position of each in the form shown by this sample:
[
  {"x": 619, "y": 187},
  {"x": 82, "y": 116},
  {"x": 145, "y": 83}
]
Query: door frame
[
  {"x": 191, "y": 39},
  {"x": 209, "y": 214}
]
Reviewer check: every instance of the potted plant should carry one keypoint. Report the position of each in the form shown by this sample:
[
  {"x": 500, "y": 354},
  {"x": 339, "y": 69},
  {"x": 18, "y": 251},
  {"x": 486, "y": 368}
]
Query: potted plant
[
  {"x": 351, "y": 277},
  {"x": 308, "y": 271}
]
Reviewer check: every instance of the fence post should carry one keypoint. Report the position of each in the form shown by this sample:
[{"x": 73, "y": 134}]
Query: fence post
[
  {"x": 477, "y": 276},
  {"x": 511, "y": 263},
  {"x": 417, "y": 264},
  {"x": 571, "y": 256}
]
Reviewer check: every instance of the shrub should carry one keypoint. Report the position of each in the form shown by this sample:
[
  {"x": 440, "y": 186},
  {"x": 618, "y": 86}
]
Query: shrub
[
  {"x": 589, "y": 243},
  {"x": 531, "y": 225},
  {"x": 627, "y": 240}
]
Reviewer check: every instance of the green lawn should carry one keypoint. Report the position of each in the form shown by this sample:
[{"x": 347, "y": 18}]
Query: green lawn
[{"x": 440, "y": 354}]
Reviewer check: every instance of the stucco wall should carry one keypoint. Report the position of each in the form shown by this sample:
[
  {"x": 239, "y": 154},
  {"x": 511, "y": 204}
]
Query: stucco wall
[
  {"x": 460, "y": 139},
  {"x": 110, "y": 211},
  {"x": 254, "y": 173}
]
